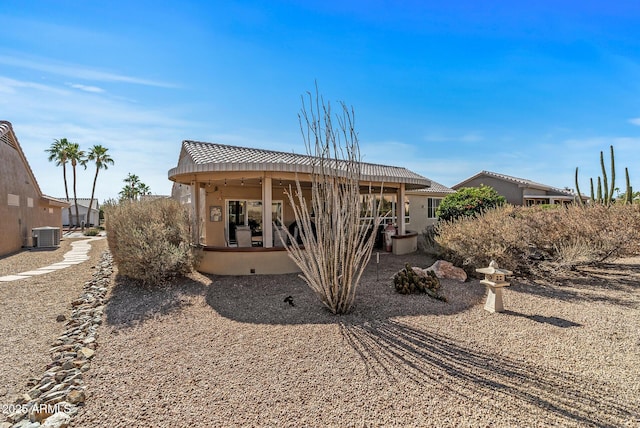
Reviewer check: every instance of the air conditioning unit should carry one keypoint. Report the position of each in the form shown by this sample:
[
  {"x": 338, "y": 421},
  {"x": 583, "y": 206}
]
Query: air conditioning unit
[{"x": 45, "y": 236}]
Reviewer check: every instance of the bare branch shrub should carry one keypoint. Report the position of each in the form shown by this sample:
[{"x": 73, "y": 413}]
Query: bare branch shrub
[
  {"x": 149, "y": 240},
  {"x": 578, "y": 251},
  {"x": 521, "y": 239},
  {"x": 336, "y": 242}
]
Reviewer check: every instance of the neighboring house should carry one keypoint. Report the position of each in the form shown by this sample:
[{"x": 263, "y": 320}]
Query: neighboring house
[
  {"x": 22, "y": 204},
  {"x": 83, "y": 207},
  {"x": 423, "y": 204},
  {"x": 519, "y": 191},
  {"x": 228, "y": 188}
]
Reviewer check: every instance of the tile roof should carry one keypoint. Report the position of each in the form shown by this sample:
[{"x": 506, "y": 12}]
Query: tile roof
[
  {"x": 207, "y": 157},
  {"x": 8, "y": 136},
  {"x": 517, "y": 180},
  {"x": 436, "y": 188}
]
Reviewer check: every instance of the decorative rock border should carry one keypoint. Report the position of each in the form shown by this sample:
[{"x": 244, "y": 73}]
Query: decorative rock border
[{"x": 55, "y": 397}]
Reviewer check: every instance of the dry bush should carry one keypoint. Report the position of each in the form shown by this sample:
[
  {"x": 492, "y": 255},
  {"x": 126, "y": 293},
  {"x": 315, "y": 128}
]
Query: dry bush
[
  {"x": 520, "y": 238},
  {"x": 150, "y": 240},
  {"x": 336, "y": 243},
  {"x": 427, "y": 241},
  {"x": 473, "y": 242}
]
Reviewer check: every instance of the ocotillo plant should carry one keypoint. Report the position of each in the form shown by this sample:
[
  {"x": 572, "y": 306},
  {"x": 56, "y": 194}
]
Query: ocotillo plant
[{"x": 336, "y": 245}]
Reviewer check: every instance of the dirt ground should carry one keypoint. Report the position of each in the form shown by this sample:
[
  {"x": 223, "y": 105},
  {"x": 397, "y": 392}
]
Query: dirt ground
[
  {"x": 28, "y": 311},
  {"x": 229, "y": 351}
]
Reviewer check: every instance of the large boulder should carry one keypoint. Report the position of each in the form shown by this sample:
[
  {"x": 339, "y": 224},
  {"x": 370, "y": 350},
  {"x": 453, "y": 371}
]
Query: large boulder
[{"x": 446, "y": 270}]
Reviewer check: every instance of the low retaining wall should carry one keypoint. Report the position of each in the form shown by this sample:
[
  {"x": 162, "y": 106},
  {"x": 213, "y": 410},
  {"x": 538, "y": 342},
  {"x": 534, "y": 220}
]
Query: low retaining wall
[
  {"x": 405, "y": 244},
  {"x": 246, "y": 261}
]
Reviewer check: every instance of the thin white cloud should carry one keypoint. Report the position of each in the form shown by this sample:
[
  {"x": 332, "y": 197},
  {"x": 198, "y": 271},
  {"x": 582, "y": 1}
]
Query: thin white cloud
[
  {"x": 78, "y": 72},
  {"x": 9, "y": 85},
  {"x": 469, "y": 137},
  {"x": 142, "y": 140},
  {"x": 86, "y": 88},
  {"x": 635, "y": 121}
]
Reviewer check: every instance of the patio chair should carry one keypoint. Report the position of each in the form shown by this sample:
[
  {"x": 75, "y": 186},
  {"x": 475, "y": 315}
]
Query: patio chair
[
  {"x": 279, "y": 237},
  {"x": 243, "y": 236}
]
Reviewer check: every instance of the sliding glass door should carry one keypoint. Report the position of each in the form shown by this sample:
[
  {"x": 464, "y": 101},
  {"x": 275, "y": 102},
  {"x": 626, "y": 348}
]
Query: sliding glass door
[{"x": 249, "y": 213}]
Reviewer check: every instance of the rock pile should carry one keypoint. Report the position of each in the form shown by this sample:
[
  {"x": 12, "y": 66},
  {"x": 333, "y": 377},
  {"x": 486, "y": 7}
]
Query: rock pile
[
  {"x": 55, "y": 397},
  {"x": 446, "y": 270}
]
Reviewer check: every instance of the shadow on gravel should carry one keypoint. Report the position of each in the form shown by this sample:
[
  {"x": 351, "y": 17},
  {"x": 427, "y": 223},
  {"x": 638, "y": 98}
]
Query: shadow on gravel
[
  {"x": 558, "y": 322},
  {"x": 618, "y": 290},
  {"x": 395, "y": 350},
  {"x": 130, "y": 304},
  {"x": 261, "y": 299}
]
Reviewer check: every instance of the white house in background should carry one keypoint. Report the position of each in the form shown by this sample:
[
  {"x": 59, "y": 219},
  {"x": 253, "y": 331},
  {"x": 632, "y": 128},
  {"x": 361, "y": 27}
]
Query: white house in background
[
  {"x": 83, "y": 207},
  {"x": 423, "y": 204}
]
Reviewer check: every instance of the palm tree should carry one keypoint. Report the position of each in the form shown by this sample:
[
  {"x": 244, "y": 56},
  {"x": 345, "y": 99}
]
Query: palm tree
[
  {"x": 76, "y": 156},
  {"x": 97, "y": 154},
  {"x": 130, "y": 191},
  {"x": 143, "y": 189},
  {"x": 58, "y": 152}
]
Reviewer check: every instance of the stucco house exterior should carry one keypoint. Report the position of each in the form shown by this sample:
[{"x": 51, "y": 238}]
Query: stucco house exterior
[
  {"x": 83, "y": 207},
  {"x": 519, "y": 191},
  {"x": 228, "y": 188},
  {"x": 423, "y": 204},
  {"x": 22, "y": 204}
]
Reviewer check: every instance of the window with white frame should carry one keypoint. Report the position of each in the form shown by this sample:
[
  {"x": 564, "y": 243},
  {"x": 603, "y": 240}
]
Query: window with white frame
[{"x": 432, "y": 207}]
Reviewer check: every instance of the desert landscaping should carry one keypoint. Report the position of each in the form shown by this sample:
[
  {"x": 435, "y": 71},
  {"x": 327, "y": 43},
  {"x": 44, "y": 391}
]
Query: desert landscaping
[{"x": 211, "y": 350}]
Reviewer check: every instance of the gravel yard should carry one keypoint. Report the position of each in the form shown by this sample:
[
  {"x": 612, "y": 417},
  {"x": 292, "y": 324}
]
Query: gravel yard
[
  {"x": 228, "y": 351},
  {"x": 28, "y": 311}
]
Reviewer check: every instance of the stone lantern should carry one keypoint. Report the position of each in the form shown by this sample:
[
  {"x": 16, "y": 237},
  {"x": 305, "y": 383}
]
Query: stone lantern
[{"x": 494, "y": 279}]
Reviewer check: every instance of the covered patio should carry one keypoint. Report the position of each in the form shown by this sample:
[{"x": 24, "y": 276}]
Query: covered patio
[{"x": 239, "y": 204}]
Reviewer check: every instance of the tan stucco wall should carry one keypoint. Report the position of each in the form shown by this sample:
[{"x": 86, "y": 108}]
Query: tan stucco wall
[
  {"x": 418, "y": 210},
  {"x": 511, "y": 191},
  {"x": 17, "y": 221},
  {"x": 530, "y": 191},
  {"x": 263, "y": 262},
  {"x": 405, "y": 244}
]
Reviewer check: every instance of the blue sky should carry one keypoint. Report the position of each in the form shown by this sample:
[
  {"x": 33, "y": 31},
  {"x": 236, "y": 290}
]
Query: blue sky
[{"x": 446, "y": 89}]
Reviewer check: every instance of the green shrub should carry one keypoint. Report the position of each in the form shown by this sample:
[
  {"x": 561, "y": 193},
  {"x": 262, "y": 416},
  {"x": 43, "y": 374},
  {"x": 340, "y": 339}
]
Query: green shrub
[
  {"x": 408, "y": 281},
  {"x": 91, "y": 232},
  {"x": 469, "y": 201},
  {"x": 150, "y": 240},
  {"x": 524, "y": 238}
]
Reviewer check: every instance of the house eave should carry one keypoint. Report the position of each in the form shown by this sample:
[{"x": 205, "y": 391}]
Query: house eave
[{"x": 184, "y": 173}]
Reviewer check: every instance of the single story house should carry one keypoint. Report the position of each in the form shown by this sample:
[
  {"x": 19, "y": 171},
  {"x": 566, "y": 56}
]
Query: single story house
[
  {"x": 519, "y": 191},
  {"x": 22, "y": 204},
  {"x": 83, "y": 207},
  {"x": 228, "y": 188}
]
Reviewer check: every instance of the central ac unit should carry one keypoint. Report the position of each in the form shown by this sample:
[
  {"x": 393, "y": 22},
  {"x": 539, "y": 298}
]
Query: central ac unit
[{"x": 46, "y": 236}]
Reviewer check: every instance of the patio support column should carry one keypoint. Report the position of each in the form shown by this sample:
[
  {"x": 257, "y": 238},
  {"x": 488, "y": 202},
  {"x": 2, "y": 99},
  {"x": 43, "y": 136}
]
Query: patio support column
[
  {"x": 400, "y": 212},
  {"x": 267, "y": 218},
  {"x": 195, "y": 209}
]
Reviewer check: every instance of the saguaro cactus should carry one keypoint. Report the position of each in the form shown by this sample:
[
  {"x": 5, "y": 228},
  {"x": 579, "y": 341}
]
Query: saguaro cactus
[
  {"x": 580, "y": 201},
  {"x": 629, "y": 193},
  {"x": 604, "y": 193}
]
